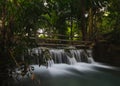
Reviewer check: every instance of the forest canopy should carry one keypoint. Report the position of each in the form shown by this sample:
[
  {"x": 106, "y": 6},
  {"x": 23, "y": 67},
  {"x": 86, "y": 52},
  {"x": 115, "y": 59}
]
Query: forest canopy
[{"x": 22, "y": 20}]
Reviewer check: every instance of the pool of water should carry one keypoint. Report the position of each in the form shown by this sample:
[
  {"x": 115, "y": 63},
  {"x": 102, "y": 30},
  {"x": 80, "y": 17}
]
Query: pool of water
[{"x": 79, "y": 74}]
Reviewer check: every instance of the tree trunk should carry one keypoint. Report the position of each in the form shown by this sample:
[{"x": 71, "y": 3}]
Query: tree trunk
[
  {"x": 90, "y": 26},
  {"x": 4, "y": 43},
  {"x": 61, "y": 28},
  {"x": 83, "y": 21}
]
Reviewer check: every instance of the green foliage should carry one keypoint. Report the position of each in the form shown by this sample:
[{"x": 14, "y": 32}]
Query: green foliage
[
  {"x": 112, "y": 22},
  {"x": 20, "y": 20}
]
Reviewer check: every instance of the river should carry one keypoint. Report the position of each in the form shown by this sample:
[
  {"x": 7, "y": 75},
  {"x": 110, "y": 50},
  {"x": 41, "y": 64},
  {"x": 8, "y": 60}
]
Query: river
[
  {"x": 79, "y": 74},
  {"x": 71, "y": 69}
]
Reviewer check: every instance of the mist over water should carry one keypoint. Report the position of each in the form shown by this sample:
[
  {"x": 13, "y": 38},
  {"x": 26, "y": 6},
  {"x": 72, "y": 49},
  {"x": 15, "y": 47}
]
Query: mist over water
[{"x": 71, "y": 71}]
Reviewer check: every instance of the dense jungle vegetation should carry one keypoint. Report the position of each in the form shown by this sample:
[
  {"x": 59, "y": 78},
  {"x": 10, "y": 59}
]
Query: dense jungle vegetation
[{"x": 21, "y": 20}]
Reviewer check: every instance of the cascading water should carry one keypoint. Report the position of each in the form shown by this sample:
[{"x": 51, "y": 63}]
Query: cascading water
[
  {"x": 58, "y": 55},
  {"x": 76, "y": 54},
  {"x": 70, "y": 56},
  {"x": 90, "y": 58},
  {"x": 72, "y": 67}
]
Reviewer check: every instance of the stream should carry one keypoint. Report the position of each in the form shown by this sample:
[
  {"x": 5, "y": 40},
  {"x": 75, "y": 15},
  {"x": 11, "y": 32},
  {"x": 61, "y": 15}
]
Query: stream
[{"x": 71, "y": 70}]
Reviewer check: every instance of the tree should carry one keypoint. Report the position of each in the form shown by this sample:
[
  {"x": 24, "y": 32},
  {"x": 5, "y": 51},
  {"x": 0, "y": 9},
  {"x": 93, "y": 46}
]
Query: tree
[
  {"x": 19, "y": 22},
  {"x": 113, "y": 21}
]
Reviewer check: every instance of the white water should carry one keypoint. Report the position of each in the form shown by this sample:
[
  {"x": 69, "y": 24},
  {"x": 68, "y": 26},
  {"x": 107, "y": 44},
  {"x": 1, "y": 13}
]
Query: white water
[
  {"x": 65, "y": 70},
  {"x": 79, "y": 74},
  {"x": 57, "y": 55},
  {"x": 71, "y": 60}
]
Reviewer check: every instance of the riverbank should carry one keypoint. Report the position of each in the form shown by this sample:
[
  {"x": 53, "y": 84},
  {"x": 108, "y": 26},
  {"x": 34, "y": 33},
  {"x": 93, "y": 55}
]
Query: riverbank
[{"x": 106, "y": 52}]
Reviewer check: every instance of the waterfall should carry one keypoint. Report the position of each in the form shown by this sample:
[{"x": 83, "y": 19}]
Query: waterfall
[
  {"x": 70, "y": 57},
  {"x": 82, "y": 55},
  {"x": 50, "y": 56},
  {"x": 50, "y": 62},
  {"x": 77, "y": 54},
  {"x": 67, "y": 67},
  {"x": 90, "y": 58},
  {"x": 71, "y": 60},
  {"x": 58, "y": 55}
]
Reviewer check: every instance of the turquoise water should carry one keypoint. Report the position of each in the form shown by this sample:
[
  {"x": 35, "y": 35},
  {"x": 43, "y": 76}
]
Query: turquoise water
[{"x": 79, "y": 74}]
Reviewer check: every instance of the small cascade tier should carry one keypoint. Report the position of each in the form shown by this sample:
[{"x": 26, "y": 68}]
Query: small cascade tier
[{"x": 50, "y": 56}]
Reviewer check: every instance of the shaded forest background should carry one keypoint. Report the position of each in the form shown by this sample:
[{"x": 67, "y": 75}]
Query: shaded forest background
[{"x": 21, "y": 21}]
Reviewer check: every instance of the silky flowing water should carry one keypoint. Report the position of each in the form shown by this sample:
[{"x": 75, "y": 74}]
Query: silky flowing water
[{"x": 75, "y": 73}]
